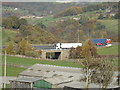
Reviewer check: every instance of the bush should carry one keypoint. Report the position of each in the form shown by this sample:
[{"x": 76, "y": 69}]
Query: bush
[
  {"x": 86, "y": 51},
  {"x": 32, "y": 54}
]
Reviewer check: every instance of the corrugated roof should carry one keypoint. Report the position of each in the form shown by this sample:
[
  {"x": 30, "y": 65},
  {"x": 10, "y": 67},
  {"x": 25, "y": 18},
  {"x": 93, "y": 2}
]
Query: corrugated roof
[
  {"x": 57, "y": 75},
  {"x": 58, "y": 80},
  {"x": 53, "y": 74},
  {"x": 49, "y": 70},
  {"x": 77, "y": 84},
  {"x": 26, "y": 79}
]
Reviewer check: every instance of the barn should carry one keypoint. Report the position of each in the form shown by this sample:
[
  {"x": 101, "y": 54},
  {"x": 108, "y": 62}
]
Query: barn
[
  {"x": 50, "y": 76},
  {"x": 47, "y": 75},
  {"x": 30, "y": 83}
]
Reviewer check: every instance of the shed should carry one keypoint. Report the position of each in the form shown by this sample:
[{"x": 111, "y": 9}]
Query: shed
[{"x": 30, "y": 83}]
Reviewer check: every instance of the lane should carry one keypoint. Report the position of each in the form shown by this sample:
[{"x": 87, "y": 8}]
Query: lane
[{"x": 37, "y": 47}]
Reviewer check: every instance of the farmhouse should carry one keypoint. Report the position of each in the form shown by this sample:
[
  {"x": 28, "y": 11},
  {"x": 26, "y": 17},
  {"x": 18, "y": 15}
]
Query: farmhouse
[{"x": 50, "y": 76}]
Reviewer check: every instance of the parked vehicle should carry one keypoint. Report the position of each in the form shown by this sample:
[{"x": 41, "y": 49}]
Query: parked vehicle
[
  {"x": 102, "y": 42},
  {"x": 67, "y": 45}
]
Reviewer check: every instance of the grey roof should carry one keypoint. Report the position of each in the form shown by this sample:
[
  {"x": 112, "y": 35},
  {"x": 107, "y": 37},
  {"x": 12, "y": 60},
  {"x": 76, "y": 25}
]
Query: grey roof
[
  {"x": 40, "y": 70},
  {"x": 77, "y": 84},
  {"x": 58, "y": 80},
  {"x": 26, "y": 79},
  {"x": 58, "y": 75},
  {"x": 53, "y": 74}
]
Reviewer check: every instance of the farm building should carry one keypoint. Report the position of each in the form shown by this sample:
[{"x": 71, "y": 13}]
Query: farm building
[
  {"x": 50, "y": 76},
  {"x": 30, "y": 83}
]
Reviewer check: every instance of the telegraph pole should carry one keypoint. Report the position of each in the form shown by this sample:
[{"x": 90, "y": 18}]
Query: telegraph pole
[
  {"x": 78, "y": 36},
  {"x": 5, "y": 71}
]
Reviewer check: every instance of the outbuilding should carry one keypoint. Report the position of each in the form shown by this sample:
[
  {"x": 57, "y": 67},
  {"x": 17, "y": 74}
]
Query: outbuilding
[{"x": 30, "y": 83}]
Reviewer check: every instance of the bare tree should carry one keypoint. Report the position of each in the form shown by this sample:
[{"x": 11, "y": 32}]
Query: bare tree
[
  {"x": 89, "y": 63},
  {"x": 104, "y": 73},
  {"x": 89, "y": 67},
  {"x": 96, "y": 70}
]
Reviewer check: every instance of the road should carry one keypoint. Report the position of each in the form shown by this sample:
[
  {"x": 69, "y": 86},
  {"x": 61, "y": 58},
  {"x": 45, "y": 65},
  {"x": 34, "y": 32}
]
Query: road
[
  {"x": 44, "y": 47},
  {"x": 37, "y": 47}
]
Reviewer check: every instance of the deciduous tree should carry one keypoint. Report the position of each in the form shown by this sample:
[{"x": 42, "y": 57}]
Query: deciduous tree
[
  {"x": 10, "y": 48},
  {"x": 103, "y": 75}
]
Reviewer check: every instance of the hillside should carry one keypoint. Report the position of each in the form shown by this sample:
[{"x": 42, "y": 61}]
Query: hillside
[
  {"x": 73, "y": 21},
  {"x": 7, "y": 35},
  {"x": 111, "y": 25},
  {"x": 38, "y": 9}
]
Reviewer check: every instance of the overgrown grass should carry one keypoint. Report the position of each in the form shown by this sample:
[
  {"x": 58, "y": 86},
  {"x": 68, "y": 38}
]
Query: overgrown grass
[{"x": 113, "y": 50}]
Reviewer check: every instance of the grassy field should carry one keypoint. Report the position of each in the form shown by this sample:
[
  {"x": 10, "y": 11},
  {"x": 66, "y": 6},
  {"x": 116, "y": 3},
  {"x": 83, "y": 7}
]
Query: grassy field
[
  {"x": 6, "y": 34},
  {"x": 50, "y": 19},
  {"x": 29, "y": 62},
  {"x": 13, "y": 71},
  {"x": 111, "y": 25},
  {"x": 113, "y": 50}
]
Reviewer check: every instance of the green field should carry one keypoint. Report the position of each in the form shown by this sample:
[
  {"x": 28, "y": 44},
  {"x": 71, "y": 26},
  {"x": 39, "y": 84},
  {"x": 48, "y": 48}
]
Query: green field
[
  {"x": 113, "y": 50},
  {"x": 111, "y": 25},
  {"x": 13, "y": 71},
  {"x": 6, "y": 35},
  {"x": 50, "y": 19},
  {"x": 30, "y": 62}
]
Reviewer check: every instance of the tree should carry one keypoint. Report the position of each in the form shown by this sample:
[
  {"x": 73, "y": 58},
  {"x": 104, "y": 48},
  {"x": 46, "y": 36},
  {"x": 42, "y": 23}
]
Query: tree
[
  {"x": 72, "y": 53},
  {"x": 117, "y": 15},
  {"x": 11, "y": 22},
  {"x": 75, "y": 52},
  {"x": 41, "y": 25},
  {"x": 23, "y": 46},
  {"x": 89, "y": 63},
  {"x": 89, "y": 50},
  {"x": 96, "y": 70},
  {"x": 74, "y": 10},
  {"x": 101, "y": 16},
  {"x": 83, "y": 20},
  {"x": 89, "y": 67},
  {"x": 23, "y": 22},
  {"x": 102, "y": 33},
  {"x": 103, "y": 73},
  {"x": 10, "y": 48}
]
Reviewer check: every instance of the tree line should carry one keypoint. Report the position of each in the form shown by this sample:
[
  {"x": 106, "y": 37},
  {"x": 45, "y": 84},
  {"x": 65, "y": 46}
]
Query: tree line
[
  {"x": 33, "y": 33},
  {"x": 70, "y": 30}
]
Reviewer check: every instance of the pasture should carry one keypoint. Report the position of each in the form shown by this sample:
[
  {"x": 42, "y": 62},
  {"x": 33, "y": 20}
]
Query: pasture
[
  {"x": 113, "y": 50},
  {"x": 7, "y": 34},
  {"x": 29, "y": 62},
  {"x": 111, "y": 25},
  {"x": 12, "y": 71}
]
